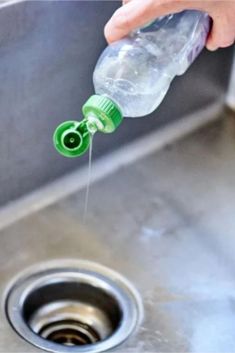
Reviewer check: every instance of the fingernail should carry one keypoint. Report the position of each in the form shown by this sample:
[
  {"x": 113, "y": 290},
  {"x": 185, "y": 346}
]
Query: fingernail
[{"x": 211, "y": 48}]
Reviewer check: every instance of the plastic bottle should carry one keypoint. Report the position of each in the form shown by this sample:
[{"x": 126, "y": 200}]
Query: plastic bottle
[{"x": 133, "y": 75}]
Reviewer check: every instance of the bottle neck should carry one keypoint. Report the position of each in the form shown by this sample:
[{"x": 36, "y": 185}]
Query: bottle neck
[{"x": 101, "y": 114}]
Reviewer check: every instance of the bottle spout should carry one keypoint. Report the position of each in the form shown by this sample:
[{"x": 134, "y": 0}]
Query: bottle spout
[{"x": 72, "y": 138}]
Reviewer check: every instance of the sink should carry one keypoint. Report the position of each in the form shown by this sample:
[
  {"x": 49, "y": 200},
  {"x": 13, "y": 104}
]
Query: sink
[{"x": 166, "y": 223}]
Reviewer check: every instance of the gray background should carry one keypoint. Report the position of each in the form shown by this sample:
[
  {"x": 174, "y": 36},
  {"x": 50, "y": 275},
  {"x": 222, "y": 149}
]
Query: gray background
[{"x": 47, "y": 54}]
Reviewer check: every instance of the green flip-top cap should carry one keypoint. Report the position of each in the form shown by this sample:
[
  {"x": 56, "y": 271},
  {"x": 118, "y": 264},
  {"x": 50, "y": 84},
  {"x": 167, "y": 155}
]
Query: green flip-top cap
[
  {"x": 103, "y": 112},
  {"x": 71, "y": 138}
]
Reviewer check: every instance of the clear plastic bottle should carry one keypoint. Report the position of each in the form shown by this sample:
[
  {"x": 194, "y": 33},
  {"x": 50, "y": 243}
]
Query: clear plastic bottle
[
  {"x": 133, "y": 75},
  {"x": 136, "y": 71}
]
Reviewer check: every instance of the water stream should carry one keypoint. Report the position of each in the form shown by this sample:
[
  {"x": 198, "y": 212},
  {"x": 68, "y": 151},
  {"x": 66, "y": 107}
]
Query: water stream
[{"x": 88, "y": 181}]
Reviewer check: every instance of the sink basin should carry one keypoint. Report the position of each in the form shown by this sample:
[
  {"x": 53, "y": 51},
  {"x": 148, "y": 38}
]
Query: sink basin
[{"x": 166, "y": 222}]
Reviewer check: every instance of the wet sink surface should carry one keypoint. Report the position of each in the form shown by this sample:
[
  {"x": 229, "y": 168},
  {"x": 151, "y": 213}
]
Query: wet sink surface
[{"x": 167, "y": 223}]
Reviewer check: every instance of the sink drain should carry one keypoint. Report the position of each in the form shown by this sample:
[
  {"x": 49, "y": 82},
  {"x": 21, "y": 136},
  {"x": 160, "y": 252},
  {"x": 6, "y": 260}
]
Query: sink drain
[
  {"x": 83, "y": 308},
  {"x": 52, "y": 323}
]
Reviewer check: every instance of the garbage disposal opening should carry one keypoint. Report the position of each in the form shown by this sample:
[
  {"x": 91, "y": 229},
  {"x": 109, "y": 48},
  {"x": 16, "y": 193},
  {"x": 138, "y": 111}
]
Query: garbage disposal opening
[{"x": 86, "y": 309}]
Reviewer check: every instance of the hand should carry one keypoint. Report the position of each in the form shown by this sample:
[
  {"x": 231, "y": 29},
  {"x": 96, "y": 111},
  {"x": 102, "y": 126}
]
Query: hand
[{"x": 136, "y": 13}]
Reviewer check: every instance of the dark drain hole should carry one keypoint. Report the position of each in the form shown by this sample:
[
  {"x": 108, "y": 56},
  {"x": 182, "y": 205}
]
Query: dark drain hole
[
  {"x": 72, "y": 314},
  {"x": 69, "y": 333}
]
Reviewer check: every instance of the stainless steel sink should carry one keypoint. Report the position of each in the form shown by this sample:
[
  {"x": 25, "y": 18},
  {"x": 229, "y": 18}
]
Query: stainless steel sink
[{"x": 167, "y": 223}]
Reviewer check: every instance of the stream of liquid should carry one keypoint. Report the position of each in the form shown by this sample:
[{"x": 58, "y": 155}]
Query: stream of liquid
[{"x": 88, "y": 180}]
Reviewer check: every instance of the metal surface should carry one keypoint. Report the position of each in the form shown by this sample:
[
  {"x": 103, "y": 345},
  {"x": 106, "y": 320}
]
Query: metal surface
[
  {"x": 167, "y": 223},
  {"x": 82, "y": 306},
  {"x": 231, "y": 90},
  {"x": 48, "y": 50}
]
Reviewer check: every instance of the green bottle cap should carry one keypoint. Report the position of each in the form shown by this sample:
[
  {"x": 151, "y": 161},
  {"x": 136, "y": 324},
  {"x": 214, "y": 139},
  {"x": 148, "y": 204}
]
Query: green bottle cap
[
  {"x": 71, "y": 138},
  {"x": 102, "y": 112}
]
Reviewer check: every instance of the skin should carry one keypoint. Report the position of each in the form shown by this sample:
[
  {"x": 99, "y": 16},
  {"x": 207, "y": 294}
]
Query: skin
[{"x": 136, "y": 13}]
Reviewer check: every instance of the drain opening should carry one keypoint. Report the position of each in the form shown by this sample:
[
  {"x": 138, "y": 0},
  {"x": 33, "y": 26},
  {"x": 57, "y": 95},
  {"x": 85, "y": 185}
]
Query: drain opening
[
  {"x": 64, "y": 309},
  {"x": 71, "y": 313},
  {"x": 69, "y": 333}
]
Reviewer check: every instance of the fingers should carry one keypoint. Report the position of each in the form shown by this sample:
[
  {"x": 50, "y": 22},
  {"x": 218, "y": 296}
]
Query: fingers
[
  {"x": 136, "y": 13},
  {"x": 126, "y": 18},
  {"x": 223, "y": 31}
]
